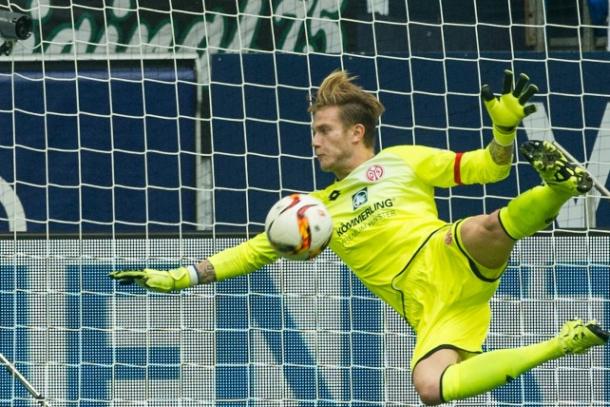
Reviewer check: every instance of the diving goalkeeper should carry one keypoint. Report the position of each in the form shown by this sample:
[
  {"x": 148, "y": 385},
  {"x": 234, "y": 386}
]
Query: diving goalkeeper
[{"x": 440, "y": 276}]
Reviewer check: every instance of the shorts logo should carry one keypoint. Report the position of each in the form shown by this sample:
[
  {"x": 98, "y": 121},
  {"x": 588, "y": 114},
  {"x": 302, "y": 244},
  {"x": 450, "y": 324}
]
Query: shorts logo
[
  {"x": 360, "y": 198},
  {"x": 374, "y": 173}
]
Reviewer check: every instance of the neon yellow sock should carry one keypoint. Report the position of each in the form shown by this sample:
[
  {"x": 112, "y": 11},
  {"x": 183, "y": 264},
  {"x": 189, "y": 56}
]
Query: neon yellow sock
[
  {"x": 489, "y": 370},
  {"x": 532, "y": 211}
]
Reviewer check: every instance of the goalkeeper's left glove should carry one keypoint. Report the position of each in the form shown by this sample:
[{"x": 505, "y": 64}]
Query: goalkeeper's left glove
[
  {"x": 158, "y": 280},
  {"x": 507, "y": 110}
]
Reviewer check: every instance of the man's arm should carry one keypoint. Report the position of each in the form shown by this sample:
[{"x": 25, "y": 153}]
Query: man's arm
[
  {"x": 501, "y": 155},
  {"x": 205, "y": 272},
  {"x": 444, "y": 168},
  {"x": 232, "y": 262},
  {"x": 506, "y": 112}
]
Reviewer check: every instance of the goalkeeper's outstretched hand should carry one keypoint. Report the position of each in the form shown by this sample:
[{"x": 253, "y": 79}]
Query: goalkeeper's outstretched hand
[
  {"x": 507, "y": 110},
  {"x": 158, "y": 280}
]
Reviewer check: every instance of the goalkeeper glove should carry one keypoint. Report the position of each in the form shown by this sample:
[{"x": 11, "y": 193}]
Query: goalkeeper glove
[
  {"x": 159, "y": 280},
  {"x": 507, "y": 110}
]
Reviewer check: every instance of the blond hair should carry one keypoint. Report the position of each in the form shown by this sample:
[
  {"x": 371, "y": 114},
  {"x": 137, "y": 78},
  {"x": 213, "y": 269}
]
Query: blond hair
[{"x": 356, "y": 105}]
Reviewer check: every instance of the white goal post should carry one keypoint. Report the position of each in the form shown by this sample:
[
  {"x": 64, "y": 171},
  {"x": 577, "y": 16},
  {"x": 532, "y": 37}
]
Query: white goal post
[{"x": 156, "y": 133}]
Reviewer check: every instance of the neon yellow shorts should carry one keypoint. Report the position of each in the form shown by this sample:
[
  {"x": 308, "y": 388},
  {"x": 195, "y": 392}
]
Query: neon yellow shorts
[{"x": 446, "y": 298}]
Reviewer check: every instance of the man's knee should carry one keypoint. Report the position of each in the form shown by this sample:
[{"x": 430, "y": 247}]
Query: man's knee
[
  {"x": 428, "y": 389},
  {"x": 484, "y": 226},
  {"x": 485, "y": 241},
  {"x": 428, "y": 372}
]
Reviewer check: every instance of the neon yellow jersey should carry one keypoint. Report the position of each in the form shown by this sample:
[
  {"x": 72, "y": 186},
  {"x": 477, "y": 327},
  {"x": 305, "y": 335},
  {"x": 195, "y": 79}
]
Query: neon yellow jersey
[{"x": 382, "y": 213}]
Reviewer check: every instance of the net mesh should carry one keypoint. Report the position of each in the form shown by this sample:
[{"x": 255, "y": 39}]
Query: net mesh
[{"x": 287, "y": 335}]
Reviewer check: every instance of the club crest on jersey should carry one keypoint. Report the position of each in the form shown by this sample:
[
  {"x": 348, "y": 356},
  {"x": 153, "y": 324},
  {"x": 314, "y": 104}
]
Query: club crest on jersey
[
  {"x": 374, "y": 173},
  {"x": 360, "y": 198}
]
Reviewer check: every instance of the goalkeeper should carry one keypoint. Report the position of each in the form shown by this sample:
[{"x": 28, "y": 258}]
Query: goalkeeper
[{"x": 439, "y": 276}]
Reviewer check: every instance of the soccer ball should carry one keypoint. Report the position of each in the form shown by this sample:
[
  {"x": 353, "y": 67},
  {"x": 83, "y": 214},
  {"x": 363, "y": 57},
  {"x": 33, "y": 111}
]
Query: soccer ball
[{"x": 298, "y": 227}]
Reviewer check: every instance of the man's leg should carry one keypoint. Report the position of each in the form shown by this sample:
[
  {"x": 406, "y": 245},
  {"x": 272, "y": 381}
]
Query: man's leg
[
  {"x": 485, "y": 241},
  {"x": 489, "y": 239},
  {"x": 489, "y": 370},
  {"x": 535, "y": 209},
  {"x": 444, "y": 375}
]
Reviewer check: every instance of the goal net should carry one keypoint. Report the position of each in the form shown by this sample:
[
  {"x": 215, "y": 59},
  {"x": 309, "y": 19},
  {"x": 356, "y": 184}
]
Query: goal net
[{"x": 156, "y": 133}]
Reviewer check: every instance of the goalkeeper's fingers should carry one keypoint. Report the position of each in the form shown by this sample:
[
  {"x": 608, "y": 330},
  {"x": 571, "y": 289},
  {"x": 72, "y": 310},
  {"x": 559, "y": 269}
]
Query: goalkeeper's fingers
[
  {"x": 508, "y": 81},
  {"x": 487, "y": 94},
  {"x": 521, "y": 82},
  {"x": 529, "y": 109},
  {"x": 128, "y": 276},
  {"x": 522, "y": 92},
  {"x": 489, "y": 97},
  {"x": 522, "y": 95},
  {"x": 529, "y": 92}
]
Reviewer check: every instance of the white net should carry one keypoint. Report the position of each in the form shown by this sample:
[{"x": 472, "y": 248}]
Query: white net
[{"x": 146, "y": 132}]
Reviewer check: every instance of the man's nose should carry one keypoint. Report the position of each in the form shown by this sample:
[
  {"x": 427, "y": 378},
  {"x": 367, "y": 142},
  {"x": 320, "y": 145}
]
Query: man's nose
[{"x": 315, "y": 140}]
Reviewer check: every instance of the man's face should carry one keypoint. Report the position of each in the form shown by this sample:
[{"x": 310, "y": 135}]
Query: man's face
[{"x": 332, "y": 142}]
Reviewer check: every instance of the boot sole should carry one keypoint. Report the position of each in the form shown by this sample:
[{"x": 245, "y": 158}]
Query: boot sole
[{"x": 544, "y": 157}]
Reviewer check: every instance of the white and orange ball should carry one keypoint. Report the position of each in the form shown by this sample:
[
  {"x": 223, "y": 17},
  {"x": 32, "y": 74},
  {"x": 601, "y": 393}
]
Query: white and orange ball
[{"x": 299, "y": 227}]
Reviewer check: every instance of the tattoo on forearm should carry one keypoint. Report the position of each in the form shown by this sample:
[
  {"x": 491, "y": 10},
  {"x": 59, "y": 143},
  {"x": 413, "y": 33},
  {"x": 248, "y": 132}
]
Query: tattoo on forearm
[
  {"x": 205, "y": 272},
  {"x": 500, "y": 154}
]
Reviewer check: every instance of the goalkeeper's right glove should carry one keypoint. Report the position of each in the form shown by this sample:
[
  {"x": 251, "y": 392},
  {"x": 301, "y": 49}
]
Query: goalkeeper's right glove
[
  {"x": 507, "y": 110},
  {"x": 158, "y": 280}
]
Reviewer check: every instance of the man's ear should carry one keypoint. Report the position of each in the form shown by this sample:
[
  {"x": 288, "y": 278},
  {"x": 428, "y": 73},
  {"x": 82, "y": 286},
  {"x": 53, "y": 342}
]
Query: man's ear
[{"x": 357, "y": 132}]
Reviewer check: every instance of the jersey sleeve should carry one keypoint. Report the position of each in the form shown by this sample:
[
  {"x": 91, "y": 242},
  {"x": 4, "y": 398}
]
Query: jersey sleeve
[
  {"x": 477, "y": 167},
  {"x": 445, "y": 168},
  {"x": 243, "y": 258}
]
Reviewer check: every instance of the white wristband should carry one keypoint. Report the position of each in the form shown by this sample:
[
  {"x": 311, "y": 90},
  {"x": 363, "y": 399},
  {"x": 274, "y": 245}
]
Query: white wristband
[{"x": 194, "y": 277}]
